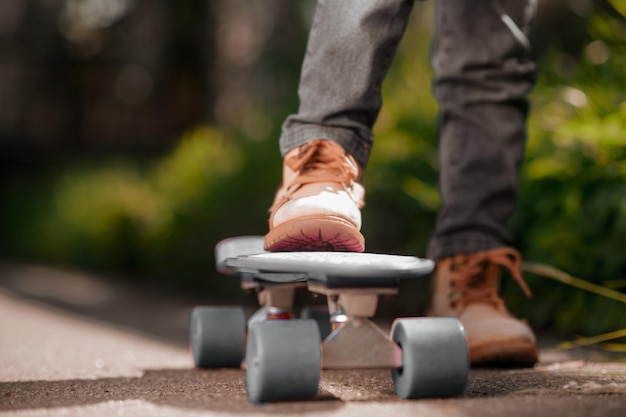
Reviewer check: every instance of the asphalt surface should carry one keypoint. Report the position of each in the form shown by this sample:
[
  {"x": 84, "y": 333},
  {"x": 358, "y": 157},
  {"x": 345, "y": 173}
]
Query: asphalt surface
[{"x": 72, "y": 344}]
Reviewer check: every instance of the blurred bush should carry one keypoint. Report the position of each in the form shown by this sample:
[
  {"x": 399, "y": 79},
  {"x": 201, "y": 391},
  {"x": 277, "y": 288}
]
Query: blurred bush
[
  {"x": 158, "y": 220},
  {"x": 572, "y": 211}
]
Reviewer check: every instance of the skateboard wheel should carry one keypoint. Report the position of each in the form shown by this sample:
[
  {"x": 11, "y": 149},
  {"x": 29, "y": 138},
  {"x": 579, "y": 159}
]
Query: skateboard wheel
[
  {"x": 435, "y": 357},
  {"x": 216, "y": 336},
  {"x": 283, "y": 360},
  {"x": 321, "y": 316}
]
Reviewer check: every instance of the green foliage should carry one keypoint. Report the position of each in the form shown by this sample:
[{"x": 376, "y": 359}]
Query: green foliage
[{"x": 572, "y": 210}]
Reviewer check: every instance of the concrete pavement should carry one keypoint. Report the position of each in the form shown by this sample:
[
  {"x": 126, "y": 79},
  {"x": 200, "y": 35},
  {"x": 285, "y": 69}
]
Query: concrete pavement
[{"x": 61, "y": 354}]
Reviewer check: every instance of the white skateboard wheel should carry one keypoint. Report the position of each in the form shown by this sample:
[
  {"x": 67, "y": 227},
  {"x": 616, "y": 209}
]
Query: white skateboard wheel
[
  {"x": 216, "y": 336},
  {"x": 435, "y": 357},
  {"x": 283, "y": 360}
]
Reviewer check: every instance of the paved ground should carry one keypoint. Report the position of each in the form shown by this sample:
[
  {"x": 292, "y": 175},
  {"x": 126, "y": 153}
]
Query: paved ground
[{"x": 74, "y": 345}]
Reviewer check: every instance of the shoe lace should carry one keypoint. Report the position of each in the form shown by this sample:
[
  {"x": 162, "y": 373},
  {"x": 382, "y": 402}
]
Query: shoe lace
[
  {"x": 475, "y": 277},
  {"x": 320, "y": 161}
]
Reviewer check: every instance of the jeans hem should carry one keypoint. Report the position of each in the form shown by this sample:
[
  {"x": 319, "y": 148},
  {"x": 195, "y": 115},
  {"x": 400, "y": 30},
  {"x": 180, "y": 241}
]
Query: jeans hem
[
  {"x": 462, "y": 244},
  {"x": 356, "y": 146}
]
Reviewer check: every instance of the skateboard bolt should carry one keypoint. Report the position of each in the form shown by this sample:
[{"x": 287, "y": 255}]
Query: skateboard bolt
[
  {"x": 337, "y": 319},
  {"x": 278, "y": 314}
]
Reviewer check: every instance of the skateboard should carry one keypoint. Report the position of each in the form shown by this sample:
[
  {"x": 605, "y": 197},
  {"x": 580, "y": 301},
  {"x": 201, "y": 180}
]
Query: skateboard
[{"x": 284, "y": 355}]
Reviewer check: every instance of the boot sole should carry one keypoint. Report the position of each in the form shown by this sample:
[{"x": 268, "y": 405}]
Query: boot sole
[
  {"x": 505, "y": 354},
  {"x": 332, "y": 234}
]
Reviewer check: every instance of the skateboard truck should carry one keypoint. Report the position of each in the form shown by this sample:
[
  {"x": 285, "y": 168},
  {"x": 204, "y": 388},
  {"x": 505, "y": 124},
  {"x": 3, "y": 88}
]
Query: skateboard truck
[{"x": 356, "y": 342}]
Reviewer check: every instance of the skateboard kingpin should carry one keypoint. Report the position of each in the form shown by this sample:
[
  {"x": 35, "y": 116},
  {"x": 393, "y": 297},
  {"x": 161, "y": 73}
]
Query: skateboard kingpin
[{"x": 428, "y": 357}]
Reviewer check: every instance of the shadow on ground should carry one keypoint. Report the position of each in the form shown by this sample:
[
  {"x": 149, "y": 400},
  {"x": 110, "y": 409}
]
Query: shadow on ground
[
  {"x": 220, "y": 390},
  {"x": 224, "y": 390}
]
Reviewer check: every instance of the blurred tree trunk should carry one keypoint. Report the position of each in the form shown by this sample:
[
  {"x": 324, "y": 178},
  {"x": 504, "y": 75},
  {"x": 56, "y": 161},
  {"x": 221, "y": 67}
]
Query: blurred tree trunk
[
  {"x": 260, "y": 46},
  {"x": 32, "y": 75},
  {"x": 102, "y": 76}
]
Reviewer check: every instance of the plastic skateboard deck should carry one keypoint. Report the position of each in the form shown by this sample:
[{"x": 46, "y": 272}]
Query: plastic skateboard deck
[{"x": 245, "y": 255}]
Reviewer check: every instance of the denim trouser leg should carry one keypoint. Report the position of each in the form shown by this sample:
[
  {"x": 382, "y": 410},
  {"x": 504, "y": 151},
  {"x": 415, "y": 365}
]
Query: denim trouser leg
[
  {"x": 350, "y": 48},
  {"x": 483, "y": 74}
]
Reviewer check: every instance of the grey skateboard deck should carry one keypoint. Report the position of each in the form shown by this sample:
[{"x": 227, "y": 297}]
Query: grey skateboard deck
[{"x": 245, "y": 255}]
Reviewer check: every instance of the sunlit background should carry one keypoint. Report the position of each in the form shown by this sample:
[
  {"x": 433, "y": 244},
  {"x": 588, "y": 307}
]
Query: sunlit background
[{"x": 135, "y": 134}]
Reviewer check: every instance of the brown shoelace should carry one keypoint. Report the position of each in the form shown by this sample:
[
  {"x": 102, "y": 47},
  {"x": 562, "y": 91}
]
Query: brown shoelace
[
  {"x": 318, "y": 161},
  {"x": 475, "y": 279}
]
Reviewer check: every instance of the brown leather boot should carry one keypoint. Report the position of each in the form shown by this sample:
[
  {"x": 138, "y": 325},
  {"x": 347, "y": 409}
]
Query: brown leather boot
[{"x": 467, "y": 287}]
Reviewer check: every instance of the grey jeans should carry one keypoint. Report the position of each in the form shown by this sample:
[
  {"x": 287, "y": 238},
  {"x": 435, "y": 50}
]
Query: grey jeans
[{"x": 483, "y": 73}]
